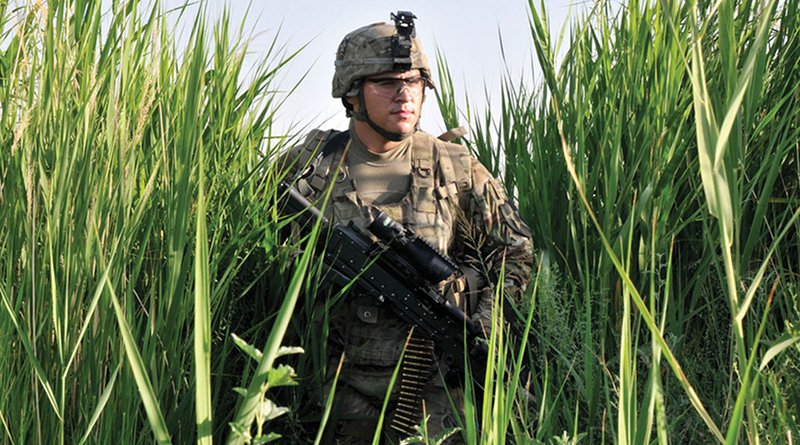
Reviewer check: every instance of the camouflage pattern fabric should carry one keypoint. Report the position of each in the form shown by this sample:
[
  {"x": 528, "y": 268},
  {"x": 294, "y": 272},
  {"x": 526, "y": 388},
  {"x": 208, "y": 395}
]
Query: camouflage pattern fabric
[
  {"x": 454, "y": 203},
  {"x": 367, "y": 51}
]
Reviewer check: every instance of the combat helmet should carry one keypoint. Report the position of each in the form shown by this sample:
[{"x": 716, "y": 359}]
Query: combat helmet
[
  {"x": 377, "y": 48},
  {"x": 373, "y": 49}
]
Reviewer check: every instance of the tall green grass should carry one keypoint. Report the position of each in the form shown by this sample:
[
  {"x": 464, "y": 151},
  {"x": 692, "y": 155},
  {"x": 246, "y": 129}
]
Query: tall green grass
[
  {"x": 132, "y": 193},
  {"x": 656, "y": 163}
]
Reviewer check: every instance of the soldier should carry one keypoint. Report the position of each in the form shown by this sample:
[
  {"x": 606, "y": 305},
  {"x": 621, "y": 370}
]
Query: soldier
[{"x": 433, "y": 187}]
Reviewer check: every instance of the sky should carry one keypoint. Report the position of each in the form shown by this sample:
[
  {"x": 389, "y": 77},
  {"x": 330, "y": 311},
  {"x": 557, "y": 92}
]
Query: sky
[{"x": 467, "y": 32}]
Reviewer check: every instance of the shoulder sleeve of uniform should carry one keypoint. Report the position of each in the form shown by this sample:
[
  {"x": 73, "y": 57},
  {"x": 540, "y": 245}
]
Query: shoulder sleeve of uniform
[
  {"x": 491, "y": 203},
  {"x": 504, "y": 240}
]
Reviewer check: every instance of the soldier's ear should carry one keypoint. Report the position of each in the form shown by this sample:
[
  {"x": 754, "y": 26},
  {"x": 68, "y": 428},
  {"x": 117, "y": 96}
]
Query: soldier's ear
[{"x": 353, "y": 101}]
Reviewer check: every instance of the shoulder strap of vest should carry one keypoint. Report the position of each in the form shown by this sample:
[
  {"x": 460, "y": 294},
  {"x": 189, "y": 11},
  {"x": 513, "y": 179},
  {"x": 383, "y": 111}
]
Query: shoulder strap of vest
[
  {"x": 451, "y": 161},
  {"x": 301, "y": 156},
  {"x": 331, "y": 143},
  {"x": 453, "y": 134},
  {"x": 318, "y": 144},
  {"x": 335, "y": 143},
  {"x": 456, "y": 167}
]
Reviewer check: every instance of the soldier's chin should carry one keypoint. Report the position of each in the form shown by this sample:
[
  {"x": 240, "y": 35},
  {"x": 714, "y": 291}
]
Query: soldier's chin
[{"x": 406, "y": 126}]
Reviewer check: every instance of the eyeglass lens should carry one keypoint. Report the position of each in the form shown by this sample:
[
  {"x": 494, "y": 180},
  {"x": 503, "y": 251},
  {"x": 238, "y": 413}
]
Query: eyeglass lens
[{"x": 393, "y": 86}]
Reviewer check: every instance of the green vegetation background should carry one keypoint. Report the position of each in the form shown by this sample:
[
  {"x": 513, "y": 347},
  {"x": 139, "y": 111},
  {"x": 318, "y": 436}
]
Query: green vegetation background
[{"x": 657, "y": 164}]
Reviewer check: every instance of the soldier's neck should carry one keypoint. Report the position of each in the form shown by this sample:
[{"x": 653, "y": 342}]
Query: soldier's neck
[{"x": 372, "y": 140}]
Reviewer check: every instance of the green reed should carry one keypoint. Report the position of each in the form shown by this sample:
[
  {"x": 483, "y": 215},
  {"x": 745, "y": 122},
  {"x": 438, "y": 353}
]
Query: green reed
[
  {"x": 132, "y": 194},
  {"x": 657, "y": 167}
]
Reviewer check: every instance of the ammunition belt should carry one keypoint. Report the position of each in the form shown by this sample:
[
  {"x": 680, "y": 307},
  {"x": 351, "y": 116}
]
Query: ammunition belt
[{"x": 415, "y": 372}]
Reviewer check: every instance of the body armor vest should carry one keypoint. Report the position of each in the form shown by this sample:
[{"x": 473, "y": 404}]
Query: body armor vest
[{"x": 429, "y": 208}]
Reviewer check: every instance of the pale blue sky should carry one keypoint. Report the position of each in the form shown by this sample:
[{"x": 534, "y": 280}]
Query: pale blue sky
[{"x": 467, "y": 32}]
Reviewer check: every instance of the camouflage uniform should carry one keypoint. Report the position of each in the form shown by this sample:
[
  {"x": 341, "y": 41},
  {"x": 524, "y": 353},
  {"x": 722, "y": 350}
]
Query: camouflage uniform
[{"x": 451, "y": 201}]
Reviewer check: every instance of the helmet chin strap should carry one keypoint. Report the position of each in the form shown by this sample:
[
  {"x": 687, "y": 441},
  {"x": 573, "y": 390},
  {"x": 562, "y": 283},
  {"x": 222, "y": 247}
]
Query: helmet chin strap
[{"x": 362, "y": 115}]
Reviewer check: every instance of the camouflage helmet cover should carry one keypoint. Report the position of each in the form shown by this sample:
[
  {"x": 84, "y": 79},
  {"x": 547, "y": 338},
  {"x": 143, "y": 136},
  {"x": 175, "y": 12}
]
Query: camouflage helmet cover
[{"x": 369, "y": 50}]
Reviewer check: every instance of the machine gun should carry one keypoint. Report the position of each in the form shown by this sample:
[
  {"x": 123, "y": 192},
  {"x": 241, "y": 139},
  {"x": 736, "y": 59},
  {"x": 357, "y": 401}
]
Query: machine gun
[{"x": 400, "y": 270}]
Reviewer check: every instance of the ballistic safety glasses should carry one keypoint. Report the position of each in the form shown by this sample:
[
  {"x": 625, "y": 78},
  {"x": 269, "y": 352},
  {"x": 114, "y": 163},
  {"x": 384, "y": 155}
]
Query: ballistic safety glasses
[{"x": 391, "y": 87}]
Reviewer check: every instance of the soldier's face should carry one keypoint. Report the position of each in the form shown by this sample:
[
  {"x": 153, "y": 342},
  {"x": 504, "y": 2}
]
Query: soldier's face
[{"x": 394, "y": 100}]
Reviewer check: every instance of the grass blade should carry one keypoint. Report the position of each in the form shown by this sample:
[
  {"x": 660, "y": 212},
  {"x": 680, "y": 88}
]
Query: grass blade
[
  {"x": 101, "y": 404},
  {"x": 202, "y": 315},
  {"x": 326, "y": 412},
  {"x": 37, "y": 366},
  {"x": 246, "y": 412},
  {"x": 146, "y": 390}
]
